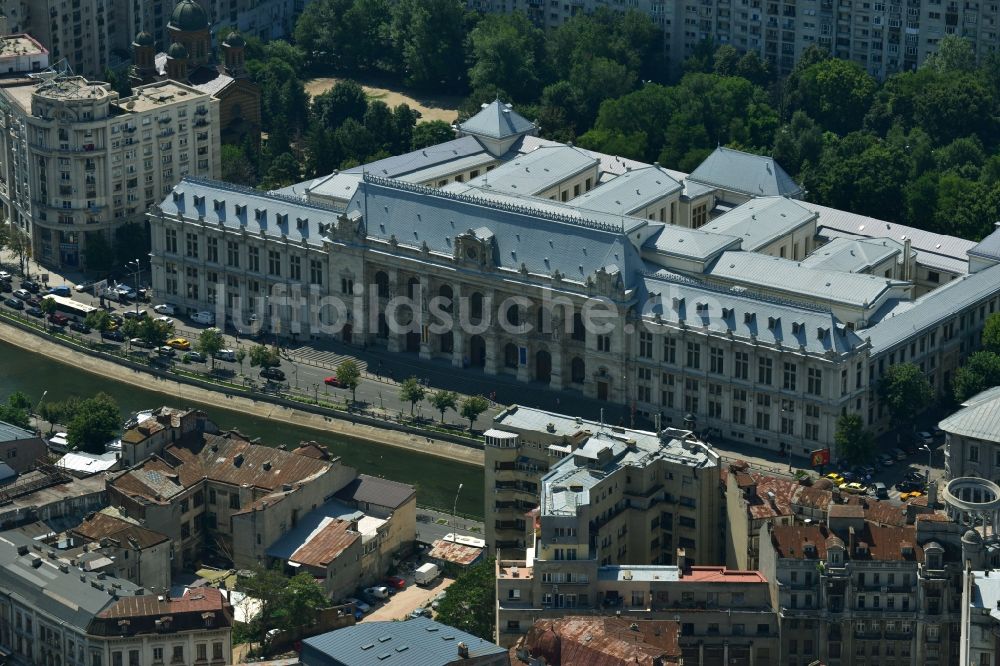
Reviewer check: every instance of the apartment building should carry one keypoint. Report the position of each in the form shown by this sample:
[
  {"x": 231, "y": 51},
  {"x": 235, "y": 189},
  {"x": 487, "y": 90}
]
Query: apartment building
[
  {"x": 527, "y": 448},
  {"x": 882, "y": 37},
  {"x": 972, "y": 438},
  {"x": 52, "y": 611},
  {"x": 980, "y": 618},
  {"x": 223, "y": 495},
  {"x": 130, "y": 551},
  {"x": 851, "y": 591},
  {"x": 76, "y": 161},
  {"x": 21, "y": 53},
  {"x": 725, "y": 615},
  {"x": 20, "y": 449}
]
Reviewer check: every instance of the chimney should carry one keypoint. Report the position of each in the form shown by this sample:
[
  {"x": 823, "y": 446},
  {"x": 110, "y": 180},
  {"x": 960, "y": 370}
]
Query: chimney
[
  {"x": 463, "y": 650},
  {"x": 238, "y": 459},
  {"x": 906, "y": 257},
  {"x": 932, "y": 492}
]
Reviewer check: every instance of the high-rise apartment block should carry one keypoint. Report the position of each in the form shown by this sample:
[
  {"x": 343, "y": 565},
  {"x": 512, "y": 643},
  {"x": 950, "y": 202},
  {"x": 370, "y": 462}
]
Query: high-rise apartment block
[
  {"x": 77, "y": 161},
  {"x": 883, "y": 37}
]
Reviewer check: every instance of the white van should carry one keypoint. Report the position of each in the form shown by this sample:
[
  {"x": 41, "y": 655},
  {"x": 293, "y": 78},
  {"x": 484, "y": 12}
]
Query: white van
[
  {"x": 225, "y": 355},
  {"x": 203, "y": 317}
]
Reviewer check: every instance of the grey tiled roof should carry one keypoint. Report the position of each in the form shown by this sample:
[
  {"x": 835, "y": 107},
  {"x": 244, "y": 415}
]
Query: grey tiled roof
[
  {"x": 932, "y": 309},
  {"x": 497, "y": 121},
  {"x": 796, "y": 325},
  {"x": 980, "y": 421},
  {"x": 687, "y": 243},
  {"x": 629, "y": 192},
  {"x": 537, "y": 171},
  {"x": 761, "y": 221},
  {"x": 418, "y": 641},
  {"x": 68, "y": 596},
  {"x": 12, "y": 433},
  {"x": 989, "y": 247},
  {"x": 853, "y": 255},
  {"x": 541, "y": 242},
  {"x": 751, "y": 268},
  {"x": 755, "y": 175},
  {"x": 373, "y": 490}
]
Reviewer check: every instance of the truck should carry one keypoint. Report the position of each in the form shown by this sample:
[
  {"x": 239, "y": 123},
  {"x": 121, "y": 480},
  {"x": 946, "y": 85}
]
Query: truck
[{"x": 426, "y": 573}]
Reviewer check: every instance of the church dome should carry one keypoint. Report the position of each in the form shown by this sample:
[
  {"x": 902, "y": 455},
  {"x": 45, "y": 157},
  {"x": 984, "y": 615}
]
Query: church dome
[
  {"x": 177, "y": 51},
  {"x": 143, "y": 39},
  {"x": 188, "y": 16},
  {"x": 235, "y": 39}
]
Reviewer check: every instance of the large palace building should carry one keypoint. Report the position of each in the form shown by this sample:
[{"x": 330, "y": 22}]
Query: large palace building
[{"x": 731, "y": 300}]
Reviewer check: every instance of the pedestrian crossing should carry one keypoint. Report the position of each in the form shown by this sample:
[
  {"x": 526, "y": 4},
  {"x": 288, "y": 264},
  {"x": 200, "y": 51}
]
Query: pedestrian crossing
[{"x": 324, "y": 359}]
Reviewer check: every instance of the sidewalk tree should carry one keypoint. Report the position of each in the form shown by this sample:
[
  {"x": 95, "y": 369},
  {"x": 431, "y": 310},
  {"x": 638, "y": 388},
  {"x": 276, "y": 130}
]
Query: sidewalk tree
[
  {"x": 443, "y": 401},
  {"x": 210, "y": 343},
  {"x": 155, "y": 332},
  {"x": 284, "y": 603},
  {"x": 95, "y": 423},
  {"x": 264, "y": 357},
  {"x": 47, "y": 306},
  {"x": 349, "y": 376},
  {"x": 470, "y": 601},
  {"x": 412, "y": 391},
  {"x": 99, "y": 320},
  {"x": 980, "y": 372},
  {"x": 17, "y": 410},
  {"x": 130, "y": 329},
  {"x": 905, "y": 391},
  {"x": 853, "y": 442},
  {"x": 53, "y": 412},
  {"x": 472, "y": 407},
  {"x": 241, "y": 355},
  {"x": 19, "y": 245}
]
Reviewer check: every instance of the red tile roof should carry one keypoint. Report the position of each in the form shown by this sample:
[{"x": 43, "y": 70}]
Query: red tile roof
[
  {"x": 710, "y": 574},
  {"x": 200, "y": 609},
  {"x": 603, "y": 641},
  {"x": 883, "y": 543},
  {"x": 99, "y": 526}
]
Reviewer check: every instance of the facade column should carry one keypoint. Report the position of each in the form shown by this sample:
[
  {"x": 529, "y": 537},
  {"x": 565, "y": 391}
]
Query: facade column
[
  {"x": 525, "y": 370},
  {"x": 457, "y": 334},
  {"x": 556, "y": 380},
  {"x": 491, "y": 337},
  {"x": 393, "y": 341},
  {"x": 426, "y": 340}
]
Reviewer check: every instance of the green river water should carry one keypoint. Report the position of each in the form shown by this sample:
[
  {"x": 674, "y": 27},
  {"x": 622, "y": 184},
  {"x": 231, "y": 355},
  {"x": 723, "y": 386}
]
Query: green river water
[{"x": 435, "y": 479}]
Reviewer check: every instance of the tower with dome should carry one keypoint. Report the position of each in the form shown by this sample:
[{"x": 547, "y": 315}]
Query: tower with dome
[{"x": 191, "y": 59}]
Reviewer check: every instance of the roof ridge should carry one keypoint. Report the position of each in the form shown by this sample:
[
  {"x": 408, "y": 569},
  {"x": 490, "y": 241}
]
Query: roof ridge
[
  {"x": 270, "y": 194},
  {"x": 730, "y": 291}
]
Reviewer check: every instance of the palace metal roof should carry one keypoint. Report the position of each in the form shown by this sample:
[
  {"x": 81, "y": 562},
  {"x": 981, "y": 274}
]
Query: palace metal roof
[
  {"x": 755, "y": 175},
  {"x": 759, "y": 222},
  {"x": 989, "y": 247},
  {"x": 629, "y": 192},
  {"x": 536, "y": 171},
  {"x": 853, "y": 255},
  {"x": 497, "y": 120},
  {"x": 981, "y": 420}
]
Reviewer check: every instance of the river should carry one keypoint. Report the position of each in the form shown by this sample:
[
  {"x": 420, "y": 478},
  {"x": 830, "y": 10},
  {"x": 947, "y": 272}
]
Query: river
[{"x": 435, "y": 479}]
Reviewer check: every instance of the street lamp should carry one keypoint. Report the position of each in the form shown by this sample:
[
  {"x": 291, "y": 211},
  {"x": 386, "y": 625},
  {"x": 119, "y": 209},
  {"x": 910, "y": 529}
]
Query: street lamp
[
  {"x": 454, "y": 520},
  {"x": 138, "y": 269},
  {"x": 930, "y": 459}
]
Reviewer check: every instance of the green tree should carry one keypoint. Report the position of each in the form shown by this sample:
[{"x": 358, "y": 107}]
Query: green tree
[
  {"x": 18, "y": 244},
  {"x": 241, "y": 355},
  {"x": 17, "y": 410},
  {"x": 980, "y": 372},
  {"x": 52, "y": 412},
  {"x": 237, "y": 166},
  {"x": 349, "y": 376},
  {"x": 132, "y": 242},
  {"x": 470, "y": 601},
  {"x": 283, "y": 603},
  {"x": 429, "y": 38},
  {"x": 48, "y": 306},
  {"x": 835, "y": 92},
  {"x": 94, "y": 424},
  {"x": 991, "y": 333},
  {"x": 443, "y": 401},
  {"x": 953, "y": 54},
  {"x": 430, "y": 133},
  {"x": 346, "y": 99},
  {"x": 352, "y": 34},
  {"x": 98, "y": 252},
  {"x": 472, "y": 407},
  {"x": 508, "y": 52},
  {"x": 130, "y": 329},
  {"x": 263, "y": 356},
  {"x": 904, "y": 389},
  {"x": 412, "y": 391},
  {"x": 99, "y": 320},
  {"x": 154, "y": 332},
  {"x": 284, "y": 170},
  {"x": 210, "y": 342},
  {"x": 852, "y": 441},
  {"x": 19, "y": 400}
]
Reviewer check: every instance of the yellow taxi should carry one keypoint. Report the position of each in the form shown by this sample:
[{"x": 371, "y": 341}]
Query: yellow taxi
[
  {"x": 179, "y": 343},
  {"x": 854, "y": 488},
  {"x": 836, "y": 478}
]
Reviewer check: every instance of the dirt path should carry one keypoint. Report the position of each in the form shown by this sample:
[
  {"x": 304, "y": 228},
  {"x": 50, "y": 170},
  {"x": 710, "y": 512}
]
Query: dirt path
[{"x": 431, "y": 107}]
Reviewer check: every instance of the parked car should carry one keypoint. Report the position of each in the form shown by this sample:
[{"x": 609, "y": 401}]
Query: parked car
[
  {"x": 396, "y": 582},
  {"x": 165, "y": 351},
  {"x": 59, "y": 319},
  {"x": 31, "y": 286},
  {"x": 332, "y": 381},
  {"x": 79, "y": 327},
  {"x": 114, "y": 335},
  {"x": 195, "y": 356},
  {"x": 134, "y": 314},
  {"x": 916, "y": 475},
  {"x": 14, "y": 303},
  {"x": 925, "y": 437},
  {"x": 900, "y": 454},
  {"x": 273, "y": 374},
  {"x": 909, "y": 485},
  {"x": 360, "y": 605},
  {"x": 854, "y": 488},
  {"x": 35, "y": 312},
  {"x": 4, "y": 275},
  {"x": 420, "y": 612},
  {"x": 61, "y": 290},
  {"x": 886, "y": 460},
  {"x": 5, "y": 286},
  {"x": 165, "y": 309},
  {"x": 165, "y": 319},
  {"x": 377, "y": 592},
  {"x": 835, "y": 477},
  {"x": 881, "y": 492},
  {"x": 204, "y": 317},
  {"x": 182, "y": 344},
  {"x": 22, "y": 294},
  {"x": 225, "y": 355},
  {"x": 139, "y": 342}
]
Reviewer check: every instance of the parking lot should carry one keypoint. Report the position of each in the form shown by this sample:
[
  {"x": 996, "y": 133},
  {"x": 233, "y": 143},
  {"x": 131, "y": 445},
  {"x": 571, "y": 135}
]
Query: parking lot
[{"x": 399, "y": 605}]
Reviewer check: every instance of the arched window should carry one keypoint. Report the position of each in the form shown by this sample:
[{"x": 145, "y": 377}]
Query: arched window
[
  {"x": 579, "y": 333},
  {"x": 514, "y": 315},
  {"x": 475, "y": 307},
  {"x": 445, "y": 292},
  {"x": 382, "y": 284},
  {"x": 543, "y": 321},
  {"x": 510, "y": 355},
  {"x": 413, "y": 288},
  {"x": 577, "y": 370}
]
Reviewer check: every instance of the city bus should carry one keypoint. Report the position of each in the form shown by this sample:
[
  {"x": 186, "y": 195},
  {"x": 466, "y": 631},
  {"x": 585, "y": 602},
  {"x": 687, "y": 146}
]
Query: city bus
[{"x": 70, "y": 308}]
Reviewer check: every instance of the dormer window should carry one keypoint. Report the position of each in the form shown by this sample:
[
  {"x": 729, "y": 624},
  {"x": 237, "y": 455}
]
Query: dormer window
[
  {"x": 241, "y": 209},
  {"x": 796, "y": 327},
  {"x": 178, "y": 197},
  {"x": 218, "y": 205},
  {"x": 821, "y": 332},
  {"x": 678, "y": 304},
  {"x": 727, "y": 313},
  {"x": 773, "y": 323},
  {"x": 749, "y": 317},
  {"x": 282, "y": 218},
  {"x": 199, "y": 200},
  {"x": 301, "y": 223},
  {"x": 702, "y": 308},
  {"x": 258, "y": 214}
]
